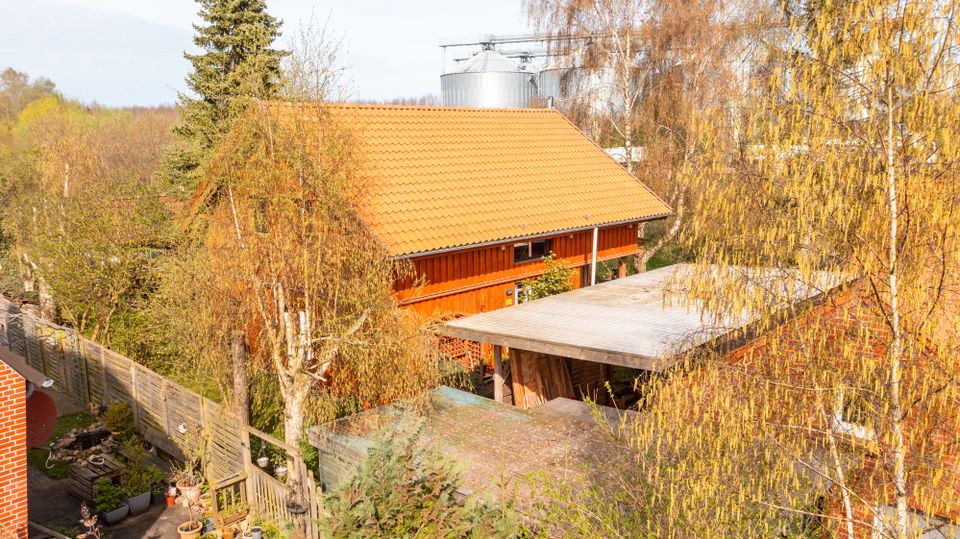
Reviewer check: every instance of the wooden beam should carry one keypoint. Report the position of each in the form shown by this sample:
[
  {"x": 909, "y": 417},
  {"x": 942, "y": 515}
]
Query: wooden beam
[{"x": 498, "y": 373}]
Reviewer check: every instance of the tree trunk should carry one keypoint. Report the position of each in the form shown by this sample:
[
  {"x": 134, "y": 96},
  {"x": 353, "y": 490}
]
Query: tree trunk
[
  {"x": 294, "y": 409},
  {"x": 896, "y": 346},
  {"x": 240, "y": 391}
]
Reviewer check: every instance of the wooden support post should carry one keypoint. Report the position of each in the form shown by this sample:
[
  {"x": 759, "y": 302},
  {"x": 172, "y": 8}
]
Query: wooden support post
[{"x": 498, "y": 373}]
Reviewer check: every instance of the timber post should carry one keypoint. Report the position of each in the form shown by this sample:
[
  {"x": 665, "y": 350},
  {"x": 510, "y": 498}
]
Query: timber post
[{"x": 498, "y": 373}]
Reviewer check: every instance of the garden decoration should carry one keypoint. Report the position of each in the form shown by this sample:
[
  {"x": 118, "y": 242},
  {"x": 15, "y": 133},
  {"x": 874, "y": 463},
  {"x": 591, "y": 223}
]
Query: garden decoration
[{"x": 89, "y": 521}]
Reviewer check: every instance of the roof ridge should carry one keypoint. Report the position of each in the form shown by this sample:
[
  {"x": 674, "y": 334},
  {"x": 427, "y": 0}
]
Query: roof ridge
[{"x": 388, "y": 106}]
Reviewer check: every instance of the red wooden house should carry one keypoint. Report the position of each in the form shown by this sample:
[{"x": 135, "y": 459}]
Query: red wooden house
[{"x": 476, "y": 197}]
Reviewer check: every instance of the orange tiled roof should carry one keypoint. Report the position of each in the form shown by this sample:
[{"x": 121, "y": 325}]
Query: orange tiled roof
[{"x": 454, "y": 177}]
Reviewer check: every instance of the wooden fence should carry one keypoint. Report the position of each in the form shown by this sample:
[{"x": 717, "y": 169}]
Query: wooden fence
[{"x": 166, "y": 413}]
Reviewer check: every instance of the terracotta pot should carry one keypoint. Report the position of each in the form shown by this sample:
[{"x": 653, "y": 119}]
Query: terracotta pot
[
  {"x": 171, "y": 500},
  {"x": 229, "y": 532},
  {"x": 189, "y": 529}
]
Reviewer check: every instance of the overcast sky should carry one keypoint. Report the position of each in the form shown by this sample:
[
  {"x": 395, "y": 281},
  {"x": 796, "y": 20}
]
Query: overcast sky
[{"x": 130, "y": 52}]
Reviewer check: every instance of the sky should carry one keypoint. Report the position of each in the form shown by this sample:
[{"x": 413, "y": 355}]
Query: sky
[{"x": 130, "y": 52}]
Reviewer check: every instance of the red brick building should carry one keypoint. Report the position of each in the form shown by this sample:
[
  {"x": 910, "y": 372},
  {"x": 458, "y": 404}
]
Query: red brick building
[{"x": 14, "y": 375}]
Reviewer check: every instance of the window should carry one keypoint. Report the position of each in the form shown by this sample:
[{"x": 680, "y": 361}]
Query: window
[
  {"x": 852, "y": 414},
  {"x": 530, "y": 250},
  {"x": 260, "y": 216}
]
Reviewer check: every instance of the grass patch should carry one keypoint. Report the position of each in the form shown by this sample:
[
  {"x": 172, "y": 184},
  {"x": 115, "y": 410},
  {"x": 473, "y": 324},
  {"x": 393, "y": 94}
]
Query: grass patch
[{"x": 38, "y": 457}]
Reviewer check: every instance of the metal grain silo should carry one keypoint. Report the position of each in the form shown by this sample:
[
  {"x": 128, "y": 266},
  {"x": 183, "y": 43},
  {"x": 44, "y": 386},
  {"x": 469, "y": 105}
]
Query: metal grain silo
[{"x": 489, "y": 80}]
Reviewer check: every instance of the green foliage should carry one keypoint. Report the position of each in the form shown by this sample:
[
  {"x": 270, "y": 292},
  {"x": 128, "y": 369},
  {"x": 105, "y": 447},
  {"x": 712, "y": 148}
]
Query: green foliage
[
  {"x": 16, "y": 92},
  {"x": 237, "y": 63},
  {"x": 668, "y": 255},
  {"x": 556, "y": 279},
  {"x": 406, "y": 490},
  {"x": 37, "y": 457},
  {"x": 119, "y": 419},
  {"x": 137, "y": 476},
  {"x": 108, "y": 495}
]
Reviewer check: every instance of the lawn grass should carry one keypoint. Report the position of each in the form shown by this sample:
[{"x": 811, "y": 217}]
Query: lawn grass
[{"x": 38, "y": 457}]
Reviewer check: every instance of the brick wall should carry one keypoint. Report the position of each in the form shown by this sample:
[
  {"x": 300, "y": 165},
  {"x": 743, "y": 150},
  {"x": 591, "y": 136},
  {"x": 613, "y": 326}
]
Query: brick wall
[{"x": 13, "y": 454}]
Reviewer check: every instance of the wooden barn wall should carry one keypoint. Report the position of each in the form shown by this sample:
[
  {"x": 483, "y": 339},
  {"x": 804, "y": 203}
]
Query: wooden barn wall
[{"x": 476, "y": 280}]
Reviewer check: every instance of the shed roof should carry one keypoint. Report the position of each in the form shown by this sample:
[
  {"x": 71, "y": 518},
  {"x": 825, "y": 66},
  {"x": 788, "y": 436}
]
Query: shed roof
[
  {"x": 489, "y": 440},
  {"x": 447, "y": 178},
  {"x": 639, "y": 321}
]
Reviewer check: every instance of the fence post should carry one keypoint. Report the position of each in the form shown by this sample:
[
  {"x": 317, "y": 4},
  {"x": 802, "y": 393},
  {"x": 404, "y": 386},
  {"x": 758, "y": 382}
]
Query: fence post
[
  {"x": 133, "y": 394},
  {"x": 247, "y": 463},
  {"x": 103, "y": 376}
]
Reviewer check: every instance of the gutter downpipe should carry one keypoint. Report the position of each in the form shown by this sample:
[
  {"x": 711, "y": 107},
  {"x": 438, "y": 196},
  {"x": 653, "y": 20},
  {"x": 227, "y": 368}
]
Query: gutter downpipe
[{"x": 593, "y": 260}]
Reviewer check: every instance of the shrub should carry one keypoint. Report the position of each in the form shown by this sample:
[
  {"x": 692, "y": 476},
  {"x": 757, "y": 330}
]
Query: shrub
[
  {"x": 557, "y": 278},
  {"x": 108, "y": 495},
  {"x": 403, "y": 489},
  {"x": 119, "y": 419}
]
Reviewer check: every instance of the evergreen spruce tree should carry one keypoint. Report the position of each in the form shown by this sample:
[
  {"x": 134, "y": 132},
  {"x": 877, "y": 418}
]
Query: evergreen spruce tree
[{"x": 237, "y": 63}]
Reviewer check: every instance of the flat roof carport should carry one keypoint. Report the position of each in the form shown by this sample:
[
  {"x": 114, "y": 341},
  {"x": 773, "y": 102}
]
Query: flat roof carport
[{"x": 625, "y": 322}]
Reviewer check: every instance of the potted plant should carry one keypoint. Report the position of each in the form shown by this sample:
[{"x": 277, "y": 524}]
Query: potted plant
[
  {"x": 158, "y": 484},
  {"x": 109, "y": 501},
  {"x": 232, "y": 513},
  {"x": 136, "y": 478},
  {"x": 191, "y": 528},
  {"x": 208, "y": 523},
  {"x": 188, "y": 484},
  {"x": 280, "y": 465},
  {"x": 229, "y": 532},
  {"x": 170, "y": 496}
]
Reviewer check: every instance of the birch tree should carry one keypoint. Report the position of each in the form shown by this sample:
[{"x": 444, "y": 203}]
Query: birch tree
[
  {"x": 637, "y": 71},
  {"x": 311, "y": 284},
  {"x": 847, "y": 168}
]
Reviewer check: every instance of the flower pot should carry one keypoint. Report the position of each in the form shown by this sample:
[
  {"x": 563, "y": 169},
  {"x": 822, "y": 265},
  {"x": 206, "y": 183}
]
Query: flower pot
[
  {"x": 113, "y": 517},
  {"x": 190, "y": 492},
  {"x": 256, "y": 532},
  {"x": 189, "y": 529},
  {"x": 208, "y": 525},
  {"x": 156, "y": 497},
  {"x": 229, "y": 532},
  {"x": 171, "y": 500},
  {"x": 281, "y": 471},
  {"x": 263, "y": 461},
  {"x": 139, "y": 503}
]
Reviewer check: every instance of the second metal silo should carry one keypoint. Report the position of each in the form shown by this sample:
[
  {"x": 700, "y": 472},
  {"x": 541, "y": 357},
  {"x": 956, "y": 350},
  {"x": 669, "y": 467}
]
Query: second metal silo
[{"x": 488, "y": 80}]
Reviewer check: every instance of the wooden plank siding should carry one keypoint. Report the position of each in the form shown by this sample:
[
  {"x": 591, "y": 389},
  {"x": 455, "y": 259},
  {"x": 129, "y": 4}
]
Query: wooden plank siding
[{"x": 476, "y": 280}]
